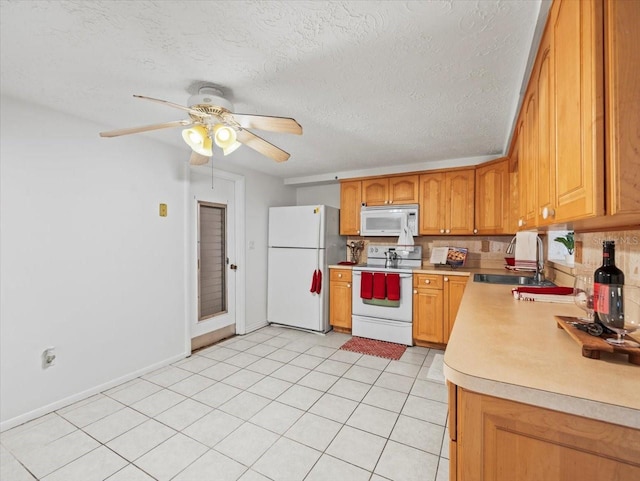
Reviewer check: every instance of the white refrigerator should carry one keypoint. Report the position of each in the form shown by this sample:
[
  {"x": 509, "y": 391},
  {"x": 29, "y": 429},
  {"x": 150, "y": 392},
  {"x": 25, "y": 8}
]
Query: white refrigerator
[{"x": 303, "y": 241}]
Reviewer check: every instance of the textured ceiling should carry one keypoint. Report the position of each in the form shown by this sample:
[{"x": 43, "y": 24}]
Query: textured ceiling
[{"x": 373, "y": 83}]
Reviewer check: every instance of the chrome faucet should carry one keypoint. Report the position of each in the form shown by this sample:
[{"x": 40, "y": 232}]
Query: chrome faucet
[{"x": 538, "y": 277}]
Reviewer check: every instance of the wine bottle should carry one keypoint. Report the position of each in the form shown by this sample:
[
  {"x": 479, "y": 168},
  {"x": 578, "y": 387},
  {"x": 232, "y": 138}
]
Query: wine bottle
[{"x": 603, "y": 277}]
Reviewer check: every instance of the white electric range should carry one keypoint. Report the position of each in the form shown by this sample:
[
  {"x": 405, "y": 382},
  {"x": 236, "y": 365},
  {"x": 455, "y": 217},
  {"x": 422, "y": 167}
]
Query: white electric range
[{"x": 381, "y": 319}]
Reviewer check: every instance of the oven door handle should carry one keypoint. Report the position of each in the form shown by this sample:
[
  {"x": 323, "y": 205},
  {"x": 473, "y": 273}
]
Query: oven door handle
[{"x": 402, "y": 276}]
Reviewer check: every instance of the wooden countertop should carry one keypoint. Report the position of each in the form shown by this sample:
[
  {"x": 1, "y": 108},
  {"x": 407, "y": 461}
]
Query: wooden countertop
[{"x": 512, "y": 349}]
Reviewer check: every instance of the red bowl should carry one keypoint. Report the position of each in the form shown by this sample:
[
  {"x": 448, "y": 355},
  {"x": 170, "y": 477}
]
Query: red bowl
[{"x": 511, "y": 261}]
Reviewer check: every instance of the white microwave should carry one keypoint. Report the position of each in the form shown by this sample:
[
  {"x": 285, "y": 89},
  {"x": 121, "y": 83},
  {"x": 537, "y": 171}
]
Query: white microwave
[{"x": 388, "y": 221}]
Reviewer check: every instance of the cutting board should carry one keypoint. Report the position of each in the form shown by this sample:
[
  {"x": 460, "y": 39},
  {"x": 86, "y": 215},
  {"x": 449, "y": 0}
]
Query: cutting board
[{"x": 592, "y": 346}]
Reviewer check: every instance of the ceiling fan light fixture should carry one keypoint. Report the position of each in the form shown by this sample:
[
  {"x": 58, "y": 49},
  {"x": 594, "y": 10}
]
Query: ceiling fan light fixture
[
  {"x": 224, "y": 136},
  {"x": 232, "y": 148},
  {"x": 198, "y": 139}
]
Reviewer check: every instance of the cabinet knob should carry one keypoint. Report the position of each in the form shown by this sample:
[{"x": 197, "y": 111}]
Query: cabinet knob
[
  {"x": 548, "y": 212},
  {"x": 358, "y": 232},
  {"x": 475, "y": 231},
  {"x": 446, "y": 279},
  {"x": 521, "y": 223},
  {"x": 415, "y": 291},
  {"x": 447, "y": 231},
  {"x": 386, "y": 201},
  {"x": 427, "y": 281},
  {"x": 339, "y": 275},
  {"x": 391, "y": 202},
  {"x": 441, "y": 231},
  {"x": 349, "y": 285}
]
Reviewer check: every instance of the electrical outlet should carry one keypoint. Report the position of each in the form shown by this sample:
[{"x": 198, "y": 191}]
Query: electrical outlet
[
  {"x": 48, "y": 357},
  {"x": 634, "y": 267},
  {"x": 163, "y": 210}
]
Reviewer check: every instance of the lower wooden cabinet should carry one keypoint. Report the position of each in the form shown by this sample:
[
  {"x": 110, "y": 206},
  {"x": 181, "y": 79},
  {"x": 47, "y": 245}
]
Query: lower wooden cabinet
[
  {"x": 340, "y": 298},
  {"x": 494, "y": 439},
  {"x": 436, "y": 299}
]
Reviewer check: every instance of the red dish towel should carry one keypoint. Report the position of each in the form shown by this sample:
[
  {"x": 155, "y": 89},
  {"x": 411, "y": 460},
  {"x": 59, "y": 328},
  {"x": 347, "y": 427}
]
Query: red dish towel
[
  {"x": 366, "y": 285},
  {"x": 379, "y": 285},
  {"x": 393, "y": 287},
  {"x": 319, "y": 283}
]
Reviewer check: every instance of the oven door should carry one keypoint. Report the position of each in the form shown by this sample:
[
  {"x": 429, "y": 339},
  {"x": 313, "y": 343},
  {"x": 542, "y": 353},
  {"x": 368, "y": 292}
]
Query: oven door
[{"x": 403, "y": 313}]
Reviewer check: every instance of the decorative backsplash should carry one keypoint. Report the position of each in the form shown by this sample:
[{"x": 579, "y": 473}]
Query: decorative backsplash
[
  {"x": 484, "y": 251},
  {"x": 589, "y": 253},
  {"x": 488, "y": 252}
]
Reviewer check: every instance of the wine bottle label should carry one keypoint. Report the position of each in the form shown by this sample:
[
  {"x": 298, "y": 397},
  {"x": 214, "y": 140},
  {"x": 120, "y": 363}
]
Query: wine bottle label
[{"x": 601, "y": 297}]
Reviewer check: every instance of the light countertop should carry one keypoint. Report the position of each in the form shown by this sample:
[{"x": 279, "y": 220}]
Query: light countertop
[{"x": 513, "y": 349}]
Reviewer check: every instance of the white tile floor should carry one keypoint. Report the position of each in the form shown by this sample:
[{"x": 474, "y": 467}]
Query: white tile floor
[{"x": 276, "y": 404}]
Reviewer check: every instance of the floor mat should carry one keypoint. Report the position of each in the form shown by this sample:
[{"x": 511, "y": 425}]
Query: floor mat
[
  {"x": 388, "y": 350},
  {"x": 435, "y": 370}
]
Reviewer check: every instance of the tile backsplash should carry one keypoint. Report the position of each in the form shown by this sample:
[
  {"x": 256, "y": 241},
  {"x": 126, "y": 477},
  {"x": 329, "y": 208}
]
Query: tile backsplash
[
  {"x": 488, "y": 252},
  {"x": 589, "y": 253},
  {"x": 484, "y": 251}
]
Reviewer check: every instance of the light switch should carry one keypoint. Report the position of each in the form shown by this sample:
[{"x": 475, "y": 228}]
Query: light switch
[{"x": 163, "y": 210}]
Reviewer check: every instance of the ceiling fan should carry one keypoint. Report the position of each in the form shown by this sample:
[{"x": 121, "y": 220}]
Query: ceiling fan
[{"x": 212, "y": 121}]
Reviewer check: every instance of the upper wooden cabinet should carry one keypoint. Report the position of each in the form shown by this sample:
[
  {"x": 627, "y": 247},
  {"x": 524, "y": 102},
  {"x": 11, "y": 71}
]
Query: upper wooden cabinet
[
  {"x": 492, "y": 198},
  {"x": 545, "y": 165},
  {"x": 560, "y": 127},
  {"x": 528, "y": 138},
  {"x": 577, "y": 110},
  {"x": 622, "y": 68},
  {"x": 390, "y": 190},
  {"x": 447, "y": 202},
  {"x": 350, "y": 202}
]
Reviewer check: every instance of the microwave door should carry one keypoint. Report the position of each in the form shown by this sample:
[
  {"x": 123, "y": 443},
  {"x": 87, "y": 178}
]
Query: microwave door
[{"x": 382, "y": 223}]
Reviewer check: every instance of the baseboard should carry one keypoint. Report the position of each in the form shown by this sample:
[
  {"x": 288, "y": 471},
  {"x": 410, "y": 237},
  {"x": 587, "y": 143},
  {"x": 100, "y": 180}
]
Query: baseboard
[{"x": 36, "y": 413}]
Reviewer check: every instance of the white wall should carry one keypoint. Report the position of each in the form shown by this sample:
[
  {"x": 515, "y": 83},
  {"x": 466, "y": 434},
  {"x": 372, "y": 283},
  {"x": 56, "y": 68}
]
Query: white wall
[
  {"x": 328, "y": 194},
  {"x": 87, "y": 264}
]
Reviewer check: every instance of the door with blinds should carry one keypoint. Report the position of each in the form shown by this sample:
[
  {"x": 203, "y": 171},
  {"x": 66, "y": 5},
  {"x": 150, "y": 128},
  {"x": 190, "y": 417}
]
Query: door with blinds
[{"x": 212, "y": 260}]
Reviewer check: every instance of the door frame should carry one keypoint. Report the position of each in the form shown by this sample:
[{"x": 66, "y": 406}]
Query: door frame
[{"x": 191, "y": 251}]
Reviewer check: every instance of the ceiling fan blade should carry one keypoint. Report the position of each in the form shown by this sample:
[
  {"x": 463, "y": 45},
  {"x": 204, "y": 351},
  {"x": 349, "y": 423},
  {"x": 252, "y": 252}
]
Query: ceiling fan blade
[
  {"x": 146, "y": 128},
  {"x": 175, "y": 106},
  {"x": 197, "y": 159},
  {"x": 260, "y": 145},
  {"x": 272, "y": 124}
]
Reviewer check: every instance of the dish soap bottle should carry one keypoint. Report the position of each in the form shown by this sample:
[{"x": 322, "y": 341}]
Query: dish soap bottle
[{"x": 605, "y": 275}]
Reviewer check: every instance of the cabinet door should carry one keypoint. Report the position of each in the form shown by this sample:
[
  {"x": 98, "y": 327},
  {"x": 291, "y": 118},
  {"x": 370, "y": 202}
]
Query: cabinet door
[
  {"x": 492, "y": 198},
  {"x": 622, "y": 56},
  {"x": 529, "y": 199},
  {"x": 403, "y": 190},
  {"x": 501, "y": 440},
  {"x": 459, "y": 212},
  {"x": 350, "y": 202},
  {"x": 375, "y": 191},
  {"x": 427, "y": 315},
  {"x": 432, "y": 203},
  {"x": 453, "y": 290},
  {"x": 578, "y": 108},
  {"x": 546, "y": 175},
  {"x": 340, "y": 304},
  {"x": 340, "y": 298}
]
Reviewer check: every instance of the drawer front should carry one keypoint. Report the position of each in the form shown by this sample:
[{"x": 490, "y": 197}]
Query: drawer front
[
  {"x": 431, "y": 281},
  {"x": 340, "y": 275}
]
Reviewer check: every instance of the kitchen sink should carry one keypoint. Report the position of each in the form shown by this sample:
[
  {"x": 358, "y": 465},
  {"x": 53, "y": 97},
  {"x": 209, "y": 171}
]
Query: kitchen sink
[{"x": 511, "y": 280}]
